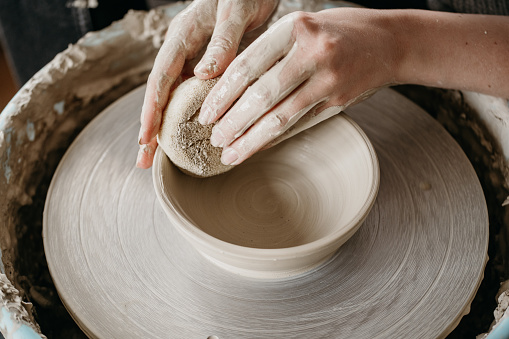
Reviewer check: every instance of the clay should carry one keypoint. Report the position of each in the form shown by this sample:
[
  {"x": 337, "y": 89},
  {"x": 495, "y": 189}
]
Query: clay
[
  {"x": 480, "y": 124},
  {"x": 184, "y": 140},
  {"x": 152, "y": 282},
  {"x": 501, "y": 312},
  {"x": 40, "y": 122},
  {"x": 50, "y": 105},
  {"x": 14, "y": 313},
  {"x": 293, "y": 203}
]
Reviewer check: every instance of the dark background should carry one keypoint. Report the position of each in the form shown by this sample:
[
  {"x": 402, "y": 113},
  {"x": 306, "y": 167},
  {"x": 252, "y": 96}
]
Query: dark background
[{"x": 33, "y": 32}]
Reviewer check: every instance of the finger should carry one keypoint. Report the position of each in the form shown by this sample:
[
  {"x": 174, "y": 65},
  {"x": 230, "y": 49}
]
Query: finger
[
  {"x": 258, "y": 99},
  {"x": 271, "y": 46},
  {"x": 146, "y": 154},
  {"x": 233, "y": 18},
  {"x": 274, "y": 123},
  {"x": 186, "y": 35},
  {"x": 159, "y": 83}
]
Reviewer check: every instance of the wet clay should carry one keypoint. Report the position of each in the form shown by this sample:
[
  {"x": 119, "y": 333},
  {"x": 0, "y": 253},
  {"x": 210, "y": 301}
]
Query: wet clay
[
  {"x": 292, "y": 203},
  {"x": 184, "y": 140},
  {"x": 104, "y": 230}
]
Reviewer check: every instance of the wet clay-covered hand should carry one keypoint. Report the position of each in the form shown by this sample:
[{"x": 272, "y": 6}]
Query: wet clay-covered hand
[
  {"x": 224, "y": 22},
  {"x": 309, "y": 62},
  {"x": 304, "y": 64}
]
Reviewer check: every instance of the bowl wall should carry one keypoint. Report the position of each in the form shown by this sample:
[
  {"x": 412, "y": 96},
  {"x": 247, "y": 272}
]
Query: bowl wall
[{"x": 285, "y": 209}]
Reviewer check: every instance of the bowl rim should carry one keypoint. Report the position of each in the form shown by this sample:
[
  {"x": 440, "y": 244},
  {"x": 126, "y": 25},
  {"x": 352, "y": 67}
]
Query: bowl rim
[{"x": 189, "y": 230}]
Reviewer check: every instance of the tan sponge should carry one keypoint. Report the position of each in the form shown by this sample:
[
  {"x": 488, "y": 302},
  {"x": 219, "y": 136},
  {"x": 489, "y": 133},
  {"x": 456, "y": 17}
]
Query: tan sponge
[{"x": 184, "y": 140}]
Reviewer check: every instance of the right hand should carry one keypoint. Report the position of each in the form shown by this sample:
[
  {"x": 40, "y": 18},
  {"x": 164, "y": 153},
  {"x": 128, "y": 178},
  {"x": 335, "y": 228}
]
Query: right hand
[
  {"x": 302, "y": 70},
  {"x": 224, "y": 22}
]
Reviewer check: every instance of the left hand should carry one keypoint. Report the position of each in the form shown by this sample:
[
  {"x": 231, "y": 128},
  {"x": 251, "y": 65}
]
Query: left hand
[{"x": 224, "y": 23}]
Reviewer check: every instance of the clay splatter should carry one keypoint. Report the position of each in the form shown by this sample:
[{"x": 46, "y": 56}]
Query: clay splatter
[
  {"x": 30, "y": 130},
  {"x": 59, "y": 107}
]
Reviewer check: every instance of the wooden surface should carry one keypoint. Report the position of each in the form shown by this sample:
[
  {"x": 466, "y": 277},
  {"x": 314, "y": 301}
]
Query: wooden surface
[{"x": 410, "y": 271}]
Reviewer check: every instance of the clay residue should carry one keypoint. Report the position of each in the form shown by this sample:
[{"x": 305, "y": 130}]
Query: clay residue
[
  {"x": 502, "y": 310},
  {"x": 20, "y": 319},
  {"x": 152, "y": 25},
  {"x": 41, "y": 121},
  {"x": 503, "y": 304}
]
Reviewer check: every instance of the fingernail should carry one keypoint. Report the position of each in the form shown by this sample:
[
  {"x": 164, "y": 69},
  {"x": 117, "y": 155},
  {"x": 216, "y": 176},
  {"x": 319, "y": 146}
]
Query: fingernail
[
  {"x": 144, "y": 150},
  {"x": 207, "y": 67},
  {"x": 229, "y": 156},
  {"x": 205, "y": 116},
  {"x": 217, "y": 138},
  {"x": 139, "y": 136}
]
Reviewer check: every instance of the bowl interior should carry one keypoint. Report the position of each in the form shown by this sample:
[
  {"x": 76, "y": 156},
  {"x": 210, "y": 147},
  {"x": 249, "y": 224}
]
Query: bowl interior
[{"x": 317, "y": 185}]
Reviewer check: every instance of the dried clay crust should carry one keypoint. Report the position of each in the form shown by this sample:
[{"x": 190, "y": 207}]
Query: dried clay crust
[{"x": 184, "y": 140}]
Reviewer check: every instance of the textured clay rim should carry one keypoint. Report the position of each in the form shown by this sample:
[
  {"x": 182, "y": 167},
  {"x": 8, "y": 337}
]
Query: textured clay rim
[{"x": 189, "y": 230}]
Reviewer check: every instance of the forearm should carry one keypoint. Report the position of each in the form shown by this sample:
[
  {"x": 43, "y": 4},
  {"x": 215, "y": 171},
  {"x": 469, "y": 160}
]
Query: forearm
[{"x": 448, "y": 50}]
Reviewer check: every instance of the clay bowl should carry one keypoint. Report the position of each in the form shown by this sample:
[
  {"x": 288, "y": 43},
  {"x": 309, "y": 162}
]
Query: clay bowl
[{"x": 282, "y": 212}]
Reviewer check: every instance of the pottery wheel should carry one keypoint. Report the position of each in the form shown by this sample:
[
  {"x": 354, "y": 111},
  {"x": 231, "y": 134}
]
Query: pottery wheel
[{"x": 411, "y": 270}]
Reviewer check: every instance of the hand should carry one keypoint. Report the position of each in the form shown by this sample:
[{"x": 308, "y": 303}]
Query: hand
[
  {"x": 304, "y": 64},
  {"x": 225, "y": 22}
]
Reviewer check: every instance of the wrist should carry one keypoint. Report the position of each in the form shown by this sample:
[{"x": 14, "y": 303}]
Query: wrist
[
  {"x": 405, "y": 50},
  {"x": 392, "y": 47}
]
